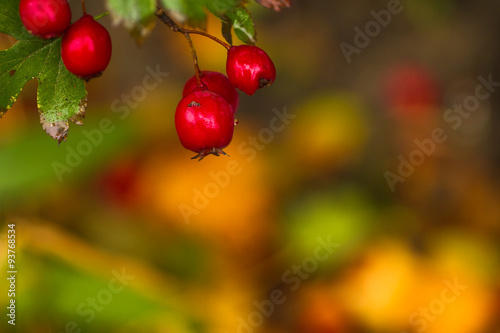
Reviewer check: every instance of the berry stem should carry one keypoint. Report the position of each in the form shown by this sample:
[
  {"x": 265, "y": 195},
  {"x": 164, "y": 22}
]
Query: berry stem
[
  {"x": 195, "y": 59},
  {"x": 203, "y": 33},
  {"x": 83, "y": 8},
  {"x": 162, "y": 16}
]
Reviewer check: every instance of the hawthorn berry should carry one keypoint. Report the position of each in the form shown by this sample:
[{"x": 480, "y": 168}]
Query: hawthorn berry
[
  {"x": 249, "y": 68},
  {"x": 86, "y": 48},
  {"x": 215, "y": 82},
  {"x": 45, "y": 18},
  {"x": 204, "y": 122}
]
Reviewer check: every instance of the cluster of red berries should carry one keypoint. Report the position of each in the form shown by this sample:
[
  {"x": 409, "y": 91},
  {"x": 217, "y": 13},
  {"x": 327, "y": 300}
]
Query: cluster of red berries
[
  {"x": 204, "y": 118},
  {"x": 86, "y": 44}
]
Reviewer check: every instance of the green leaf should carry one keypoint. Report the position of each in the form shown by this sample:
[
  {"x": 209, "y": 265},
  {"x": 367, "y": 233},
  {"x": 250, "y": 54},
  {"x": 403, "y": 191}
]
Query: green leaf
[
  {"x": 221, "y": 7},
  {"x": 191, "y": 12},
  {"x": 234, "y": 13},
  {"x": 226, "y": 28},
  {"x": 61, "y": 96},
  {"x": 243, "y": 25},
  {"x": 10, "y": 20},
  {"x": 136, "y": 15},
  {"x": 174, "y": 5}
]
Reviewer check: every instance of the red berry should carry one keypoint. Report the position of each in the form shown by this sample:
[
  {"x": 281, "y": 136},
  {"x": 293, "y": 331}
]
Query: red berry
[
  {"x": 215, "y": 82},
  {"x": 249, "y": 68},
  {"x": 45, "y": 18},
  {"x": 411, "y": 87},
  {"x": 86, "y": 48},
  {"x": 204, "y": 122}
]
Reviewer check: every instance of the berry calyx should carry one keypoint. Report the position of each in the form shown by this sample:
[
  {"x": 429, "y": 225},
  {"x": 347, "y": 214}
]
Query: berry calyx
[
  {"x": 249, "y": 68},
  {"x": 45, "y": 18},
  {"x": 86, "y": 48},
  {"x": 204, "y": 122},
  {"x": 215, "y": 82}
]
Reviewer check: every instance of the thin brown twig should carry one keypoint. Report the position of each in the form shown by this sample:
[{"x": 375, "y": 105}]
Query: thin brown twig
[
  {"x": 195, "y": 59},
  {"x": 83, "y": 8},
  {"x": 203, "y": 33},
  {"x": 163, "y": 17}
]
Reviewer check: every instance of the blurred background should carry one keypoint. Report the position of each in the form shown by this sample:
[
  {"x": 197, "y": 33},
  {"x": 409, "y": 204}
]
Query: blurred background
[{"x": 361, "y": 193}]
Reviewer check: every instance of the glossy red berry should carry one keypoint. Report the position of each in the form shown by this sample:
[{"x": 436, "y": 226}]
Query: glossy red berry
[
  {"x": 215, "y": 82},
  {"x": 45, "y": 18},
  {"x": 204, "y": 122},
  {"x": 86, "y": 48},
  {"x": 249, "y": 68}
]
